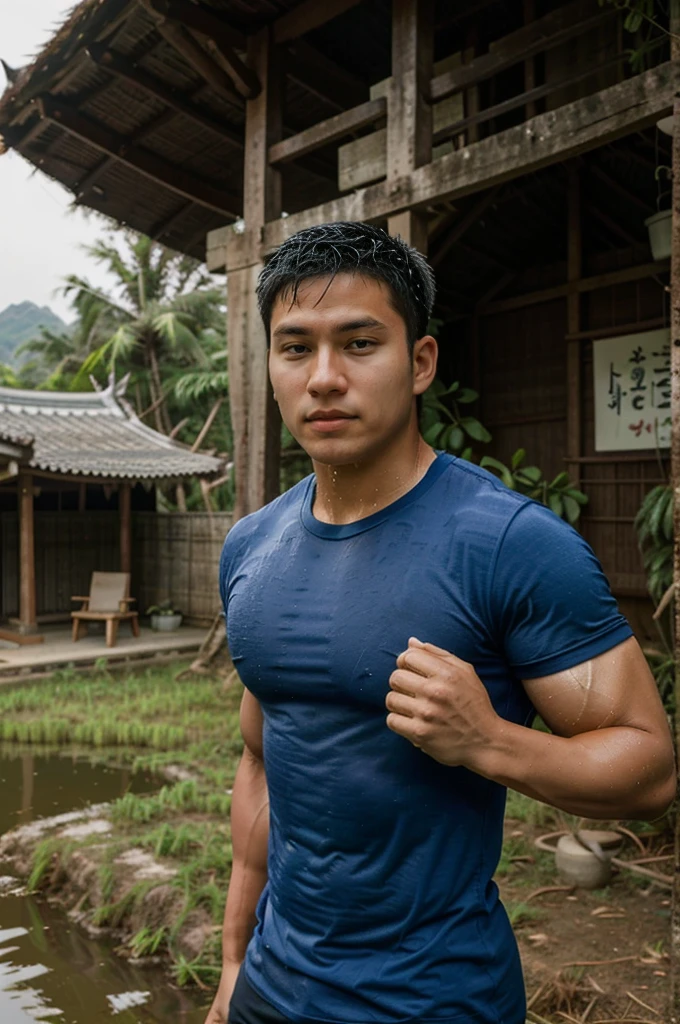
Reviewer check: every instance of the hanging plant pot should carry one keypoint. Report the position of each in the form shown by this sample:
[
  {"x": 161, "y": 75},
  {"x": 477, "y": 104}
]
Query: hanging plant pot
[{"x": 659, "y": 227}]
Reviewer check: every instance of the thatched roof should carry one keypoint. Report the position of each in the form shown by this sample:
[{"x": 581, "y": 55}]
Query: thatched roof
[{"x": 92, "y": 434}]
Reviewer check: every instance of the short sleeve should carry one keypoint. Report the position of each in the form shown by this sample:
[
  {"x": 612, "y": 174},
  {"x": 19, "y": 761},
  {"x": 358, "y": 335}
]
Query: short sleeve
[{"x": 550, "y": 604}]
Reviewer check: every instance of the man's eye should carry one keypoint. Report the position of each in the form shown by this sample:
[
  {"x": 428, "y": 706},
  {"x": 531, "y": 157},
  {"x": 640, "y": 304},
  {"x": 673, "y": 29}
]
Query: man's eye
[
  {"x": 295, "y": 350},
  {"x": 362, "y": 344}
]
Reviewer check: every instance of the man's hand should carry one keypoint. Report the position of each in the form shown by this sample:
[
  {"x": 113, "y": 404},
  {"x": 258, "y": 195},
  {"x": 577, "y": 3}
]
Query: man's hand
[
  {"x": 439, "y": 703},
  {"x": 219, "y": 1011}
]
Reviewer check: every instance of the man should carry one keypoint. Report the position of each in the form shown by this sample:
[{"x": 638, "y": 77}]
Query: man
[{"x": 396, "y": 619}]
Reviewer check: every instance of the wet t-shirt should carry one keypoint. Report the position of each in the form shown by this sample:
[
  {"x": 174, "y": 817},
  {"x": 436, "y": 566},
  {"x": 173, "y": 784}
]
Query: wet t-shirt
[{"x": 380, "y": 905}]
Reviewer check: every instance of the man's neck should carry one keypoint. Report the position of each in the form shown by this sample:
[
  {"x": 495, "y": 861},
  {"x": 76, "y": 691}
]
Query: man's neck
[{"x": 345, "y": 494}]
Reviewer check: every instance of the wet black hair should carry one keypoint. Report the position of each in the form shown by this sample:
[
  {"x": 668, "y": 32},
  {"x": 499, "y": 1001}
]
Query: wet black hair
[{"x": 355, "y": 248}]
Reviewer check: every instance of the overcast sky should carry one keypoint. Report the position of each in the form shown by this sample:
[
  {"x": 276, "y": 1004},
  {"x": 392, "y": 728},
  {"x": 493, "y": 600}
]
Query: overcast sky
[{"x": 41, "y": 238}]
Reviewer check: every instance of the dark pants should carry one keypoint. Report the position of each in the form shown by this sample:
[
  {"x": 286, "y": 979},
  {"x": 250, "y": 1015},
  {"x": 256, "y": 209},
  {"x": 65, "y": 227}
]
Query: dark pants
[{"x": 248, "y": 1007}]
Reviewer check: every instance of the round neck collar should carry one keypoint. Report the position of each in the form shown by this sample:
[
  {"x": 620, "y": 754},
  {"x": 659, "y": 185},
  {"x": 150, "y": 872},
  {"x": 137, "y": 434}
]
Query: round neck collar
[{"x": 335, "y": 531}]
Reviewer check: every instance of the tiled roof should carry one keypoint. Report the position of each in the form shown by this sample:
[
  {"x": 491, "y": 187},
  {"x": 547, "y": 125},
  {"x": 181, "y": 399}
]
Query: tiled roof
[{"x": 93, "y": 434}]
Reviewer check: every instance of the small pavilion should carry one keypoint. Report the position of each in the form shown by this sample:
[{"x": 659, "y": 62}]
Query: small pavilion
[{"x": 73, "y": 467}]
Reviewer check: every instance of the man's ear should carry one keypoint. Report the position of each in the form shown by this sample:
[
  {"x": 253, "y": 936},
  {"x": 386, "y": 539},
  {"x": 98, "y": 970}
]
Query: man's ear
[{"x": 425, "y": 353}]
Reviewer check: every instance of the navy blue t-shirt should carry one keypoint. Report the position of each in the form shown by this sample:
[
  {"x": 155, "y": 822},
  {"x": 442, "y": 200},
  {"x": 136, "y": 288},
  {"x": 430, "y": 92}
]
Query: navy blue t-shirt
[{"x": 380, "y": 905}]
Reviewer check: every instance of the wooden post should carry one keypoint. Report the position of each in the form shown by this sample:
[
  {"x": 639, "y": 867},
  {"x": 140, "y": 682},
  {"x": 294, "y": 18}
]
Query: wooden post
[
  {"x": 27, "y": 603},
  {"x": 574, "y": 260},
  {"x": 674, "y": 1015},
  {"x": 255, "y": 418},
  {"x": 124, "y": 504},
  {"x": 409, "y": 115}
]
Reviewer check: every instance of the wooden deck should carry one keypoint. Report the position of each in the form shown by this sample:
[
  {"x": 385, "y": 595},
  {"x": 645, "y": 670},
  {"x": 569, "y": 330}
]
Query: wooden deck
[{"x": 59, "y": 650}]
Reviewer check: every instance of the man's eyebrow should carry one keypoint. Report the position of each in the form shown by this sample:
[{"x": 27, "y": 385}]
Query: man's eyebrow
[{"x": 297, "y": 330}]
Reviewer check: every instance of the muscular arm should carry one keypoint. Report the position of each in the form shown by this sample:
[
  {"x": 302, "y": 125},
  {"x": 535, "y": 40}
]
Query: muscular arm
[
  {"x": 250, "y": 833},
  {"x": 610, "y": 754}
]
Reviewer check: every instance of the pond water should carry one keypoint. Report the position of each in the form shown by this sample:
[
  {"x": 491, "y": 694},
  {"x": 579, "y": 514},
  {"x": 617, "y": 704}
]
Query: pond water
[{"x": 49, "y": 969}]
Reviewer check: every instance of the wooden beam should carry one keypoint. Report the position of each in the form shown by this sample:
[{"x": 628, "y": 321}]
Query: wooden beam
[
  {"x": 221, "y": 39},
  {"x": 574, "y": 272},
  {"x": 322, "y": 77},
  {"x": 330, "y": 130},
  {"x": 549, "y": 138},
  {"x": 586, "y": 284},
  {"x": 523, "y": 99},
  {"x": 181, "y": 40},
  {"x": 461, "y": 228},
  {"x": 307, "y": 16},
  {"x": 548, "y": 32},
  {"x": 262, "y": 182},
  {"x": 103, "y": 138},
  {"x": 255, "y": 420},
  {"x": 674, "y": 1003},
  {"x": 409, "y": 115},
  {"x": 180, "y": 102},
  {"x": 124, "y": 505},
  {"x": 27, "y": 601},
  {"x": 201, "y": 19}
]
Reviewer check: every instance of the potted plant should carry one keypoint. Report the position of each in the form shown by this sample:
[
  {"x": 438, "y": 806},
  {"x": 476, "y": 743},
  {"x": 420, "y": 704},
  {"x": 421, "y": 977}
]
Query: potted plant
[
  {"x": 659, "y": 224},
  {"x": 164, "y": 616}
]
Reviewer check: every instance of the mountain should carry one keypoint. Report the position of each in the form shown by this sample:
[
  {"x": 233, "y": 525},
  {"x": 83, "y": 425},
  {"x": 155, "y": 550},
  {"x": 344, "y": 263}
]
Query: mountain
[{"x": 22, "y": 321}]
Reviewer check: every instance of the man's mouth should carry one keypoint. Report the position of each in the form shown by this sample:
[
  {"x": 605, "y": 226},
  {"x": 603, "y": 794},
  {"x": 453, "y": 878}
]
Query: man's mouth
[{"x": 326, "y": 420}]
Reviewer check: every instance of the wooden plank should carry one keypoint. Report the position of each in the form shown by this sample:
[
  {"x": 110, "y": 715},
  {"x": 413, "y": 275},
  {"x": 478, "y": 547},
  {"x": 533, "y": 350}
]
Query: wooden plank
[
  {"x": 325, "y": 132},
  {"x": 193, "y": 53},
  {"x": 261, "y": 182},
  {"x": 409, "y": 120},
  {"x": 552, "y": 30},
  {"x": 104, "y": 139},
  {"x": 586, "y": 284},
  {"x": 549, "y": 138},
  {"x": 574, "y": 271},
  {"x": 615, "y": 330},
  {"x": 124, "y": 500},
  {"x": 409, "y": 115},
  {"x": 307, "y": 16},
  {"x": 253, "y": 412},
  {"x": 22, "y": 639},
  {"x": 27, "y": 603}
]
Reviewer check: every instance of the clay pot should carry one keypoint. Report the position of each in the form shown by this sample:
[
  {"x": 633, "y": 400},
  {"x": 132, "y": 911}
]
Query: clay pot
[{"x": 587, "y": 868}]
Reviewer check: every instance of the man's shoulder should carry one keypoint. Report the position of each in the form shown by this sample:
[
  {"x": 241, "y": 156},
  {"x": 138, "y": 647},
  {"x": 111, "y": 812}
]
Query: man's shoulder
[{"x": 271, "y": 517}]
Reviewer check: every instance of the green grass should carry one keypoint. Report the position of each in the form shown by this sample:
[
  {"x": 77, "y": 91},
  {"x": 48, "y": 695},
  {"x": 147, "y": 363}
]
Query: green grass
[{"x": 145, "y": 721}]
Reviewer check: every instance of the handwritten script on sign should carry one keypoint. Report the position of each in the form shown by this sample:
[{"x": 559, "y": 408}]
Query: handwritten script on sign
[{"x": 632, "y": 386}]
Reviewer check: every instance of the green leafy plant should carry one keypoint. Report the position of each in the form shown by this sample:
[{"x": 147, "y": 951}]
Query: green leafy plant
[
  {"x": 442, "y": 422},
  {"x": 164, "y": 608},
  {"x": 559, "y": 494},
  {"x": 654, "y": 527}
]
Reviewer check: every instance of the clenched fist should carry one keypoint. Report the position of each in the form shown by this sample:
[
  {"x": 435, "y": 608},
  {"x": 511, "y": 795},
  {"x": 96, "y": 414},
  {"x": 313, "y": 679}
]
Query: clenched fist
[{"x": 439, "y": 703}]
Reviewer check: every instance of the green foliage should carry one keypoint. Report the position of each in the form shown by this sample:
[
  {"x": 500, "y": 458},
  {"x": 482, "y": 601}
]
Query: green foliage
[
  {"x": 654, "y": 527},
  {"x": 559, "y": 494},
  {"x": 164, "y": 608},
  {"x": 148, "y": 942},
  {"x": 443, "y": 423},
  {"x": 643, "y": 20}
]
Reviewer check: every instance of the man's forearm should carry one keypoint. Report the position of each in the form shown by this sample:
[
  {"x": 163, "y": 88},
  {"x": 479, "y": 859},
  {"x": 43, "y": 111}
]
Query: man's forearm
[
  {"x": 250, "y": 832},
  {"x": 609, "y": 773}
]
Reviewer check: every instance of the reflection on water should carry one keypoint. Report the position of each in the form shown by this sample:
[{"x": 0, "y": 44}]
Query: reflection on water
[{"x": 49, "y": 969}]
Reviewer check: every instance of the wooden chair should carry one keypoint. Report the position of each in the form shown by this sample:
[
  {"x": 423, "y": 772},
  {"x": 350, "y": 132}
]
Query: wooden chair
[{"x": 107, "y": 602}]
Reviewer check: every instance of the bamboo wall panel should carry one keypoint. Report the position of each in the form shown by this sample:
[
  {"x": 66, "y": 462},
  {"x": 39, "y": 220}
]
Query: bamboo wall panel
[
  {"x": 176, "y": 557},
  {"x": 173, "y": 556}
]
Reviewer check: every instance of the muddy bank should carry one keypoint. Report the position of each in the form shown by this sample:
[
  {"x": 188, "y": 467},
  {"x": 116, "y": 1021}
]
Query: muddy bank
[{"x": 113, "y": 885}]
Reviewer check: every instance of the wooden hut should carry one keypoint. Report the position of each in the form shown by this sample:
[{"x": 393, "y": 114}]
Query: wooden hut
[
  {"x": 512, "y": 141},
  {"x": 73, "y": 467}
]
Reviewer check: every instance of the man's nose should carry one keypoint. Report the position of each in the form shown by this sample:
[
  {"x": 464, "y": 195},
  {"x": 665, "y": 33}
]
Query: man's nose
[{"x": 326, "y": 374}]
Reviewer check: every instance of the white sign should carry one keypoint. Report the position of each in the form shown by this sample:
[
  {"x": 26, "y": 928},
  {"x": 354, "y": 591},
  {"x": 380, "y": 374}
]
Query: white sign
[{"x": 632, "y": 387}]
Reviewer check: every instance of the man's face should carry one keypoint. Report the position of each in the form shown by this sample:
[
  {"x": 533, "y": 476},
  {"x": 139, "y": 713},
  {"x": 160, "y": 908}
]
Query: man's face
[{"x": 341, "y": 369}]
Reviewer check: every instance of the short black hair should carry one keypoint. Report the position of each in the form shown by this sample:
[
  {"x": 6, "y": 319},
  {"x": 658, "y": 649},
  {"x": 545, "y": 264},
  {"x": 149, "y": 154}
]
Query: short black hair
[{"x": 355, "y": 248}]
